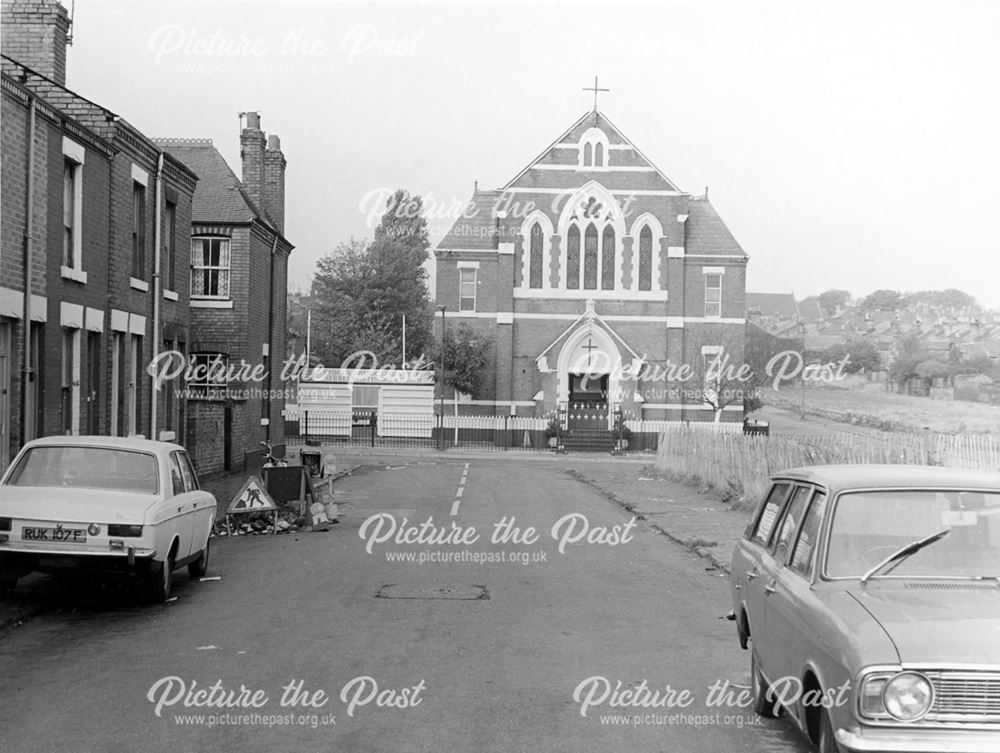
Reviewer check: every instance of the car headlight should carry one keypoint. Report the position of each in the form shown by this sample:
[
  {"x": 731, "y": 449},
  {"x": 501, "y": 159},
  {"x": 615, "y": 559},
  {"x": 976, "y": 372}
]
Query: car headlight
[{"x": 907, "y": 696}]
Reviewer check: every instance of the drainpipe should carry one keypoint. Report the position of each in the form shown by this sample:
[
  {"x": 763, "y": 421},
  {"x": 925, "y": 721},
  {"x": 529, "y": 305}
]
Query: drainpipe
[
  {"x": 157, "y": 293},
  {"x": 270, "y": 337},
  {"x": 27, "y": 419}
]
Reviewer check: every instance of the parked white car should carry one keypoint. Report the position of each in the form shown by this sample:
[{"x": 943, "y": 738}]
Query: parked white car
[{"x": 103, "y": 504}]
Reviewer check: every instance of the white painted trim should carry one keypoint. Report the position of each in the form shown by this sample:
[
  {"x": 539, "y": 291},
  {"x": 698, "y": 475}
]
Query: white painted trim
[
  {"x": 682, "y": 218},
  {"x": 714, "y": 320},
  {"x": 675, "y": 252},
  {"x": 265, "y": 422},
  {"x": 170, "y": 295},
  {"x": 472, "y": 314},
  {"x": 505, "y": 317},
  {"x": 505, "y": 248},
  {"x": 211, "y": 303},
  {"x": 593, "y": 136},
  {"x": 605, "y": 169},
  {"x": 468, "y": 265},
  {"x": 576, "y": 145},
  {"x": 140, "y": 176},
  {"x": 137, "y": 284},
  {"x": 711, "y": 350},
  {"x": 136, "y": 324},
  {"x": 475, "y": 289},
  {"x": 76, "y": 275},
  {"x": 265, "y": 349},
  {"x": 717, "y": 256},
  {"x": 620, "y": 294},
  {"x": 493, "y": 403},
  {"x": 614, "y": 191},
  {"x": 94, "y": 320},
  {"x": 76, "y": 152},
  {"x": 119, "y": 321},
  {"x": 70, "y": 315},
  {"x": 675, "y": 322},
  {"x": 713, "y": 270}
]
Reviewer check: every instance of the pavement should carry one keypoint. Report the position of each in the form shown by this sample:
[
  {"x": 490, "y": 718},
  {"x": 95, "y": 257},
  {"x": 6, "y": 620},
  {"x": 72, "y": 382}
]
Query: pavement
[{"x": 687, "y": 516}]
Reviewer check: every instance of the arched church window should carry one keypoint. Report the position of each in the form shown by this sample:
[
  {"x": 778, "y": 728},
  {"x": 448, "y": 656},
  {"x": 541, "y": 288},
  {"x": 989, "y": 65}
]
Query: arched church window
[
  {"x": 608, "y": 259},
  {"x": 590, "y": 258},
  {"x": 599, "y": 155},
  {"x": 535, "y": 258},
  {"x": 573, "y": 258},
  {"x": 646, "y": 259},
  {"x": 587, "y": 151}
]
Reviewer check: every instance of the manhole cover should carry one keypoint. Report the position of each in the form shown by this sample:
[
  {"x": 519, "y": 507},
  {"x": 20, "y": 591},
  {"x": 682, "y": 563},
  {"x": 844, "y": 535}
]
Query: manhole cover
[{"x": 410, "y": 591}]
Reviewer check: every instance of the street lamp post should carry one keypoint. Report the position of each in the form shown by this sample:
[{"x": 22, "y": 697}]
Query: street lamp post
[{"x": 441, "y": 386}]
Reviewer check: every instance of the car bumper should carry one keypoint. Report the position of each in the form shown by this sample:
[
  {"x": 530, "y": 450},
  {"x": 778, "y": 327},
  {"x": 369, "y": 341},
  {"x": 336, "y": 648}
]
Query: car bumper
[
  {"x": 61, "y": 559},
  {"x": 870, "y": 740}
]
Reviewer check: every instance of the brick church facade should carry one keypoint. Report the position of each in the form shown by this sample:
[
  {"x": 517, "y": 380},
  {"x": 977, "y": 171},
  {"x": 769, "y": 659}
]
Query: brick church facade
[{"x": 598, "y": 280}]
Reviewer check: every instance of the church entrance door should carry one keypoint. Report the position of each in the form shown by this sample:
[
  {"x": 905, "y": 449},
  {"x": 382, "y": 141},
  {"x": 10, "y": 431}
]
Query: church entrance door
[{"x": 588, "y": 401}]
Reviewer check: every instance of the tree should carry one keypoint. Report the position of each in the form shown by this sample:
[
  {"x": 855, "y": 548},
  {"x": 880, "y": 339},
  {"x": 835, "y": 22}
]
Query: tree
[
  {"x": 724, "y": 378},
  {"x": 466, "y": 356},
  {"x": 883, "y": 300},
  {"x": 862, "y": 356},
  {"x": 833, "y": 300},
  {"x": 363, "y": 290}
]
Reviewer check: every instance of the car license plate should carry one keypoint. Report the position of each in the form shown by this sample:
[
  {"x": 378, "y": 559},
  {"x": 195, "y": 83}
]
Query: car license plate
[{"x": 60, "y": 534}]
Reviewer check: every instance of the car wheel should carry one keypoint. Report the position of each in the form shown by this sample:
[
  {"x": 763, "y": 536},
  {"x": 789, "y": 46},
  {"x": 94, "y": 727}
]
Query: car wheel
[
  {"x": 199, "y": 567},
  {"x": 159, "y": 590},
  {"x": 827, "y": 740},
  {"x": 762, "y": 705}
]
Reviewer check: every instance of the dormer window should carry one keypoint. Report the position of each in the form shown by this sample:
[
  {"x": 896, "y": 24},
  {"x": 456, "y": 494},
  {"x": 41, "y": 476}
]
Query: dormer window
[{"x": 593, "y": 148}]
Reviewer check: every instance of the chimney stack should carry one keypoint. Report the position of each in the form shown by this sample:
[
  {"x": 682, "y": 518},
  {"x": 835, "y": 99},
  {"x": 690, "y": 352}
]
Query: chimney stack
[
  {"x": 252, "y": 154},
  {"x": 35, "y": 33},
  {"x": 274, "y": 182}
]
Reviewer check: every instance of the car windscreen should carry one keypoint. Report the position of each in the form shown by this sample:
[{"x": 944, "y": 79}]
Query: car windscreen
[
  {"x": 870, "y": 526},
  {"x": 87, "y": 468}
]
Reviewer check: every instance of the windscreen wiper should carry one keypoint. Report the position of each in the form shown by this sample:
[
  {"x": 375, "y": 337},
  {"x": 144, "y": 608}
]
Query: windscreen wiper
[{"x": 897, "y": 557}]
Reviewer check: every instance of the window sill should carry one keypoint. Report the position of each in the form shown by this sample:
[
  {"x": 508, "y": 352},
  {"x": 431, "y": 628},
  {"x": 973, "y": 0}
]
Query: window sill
[
  {"x": 170, "y": 295},
  {"x": 137, "y": 284},
  {"x": 76, "y": 275},
  {"x": 211, "y": 303}
]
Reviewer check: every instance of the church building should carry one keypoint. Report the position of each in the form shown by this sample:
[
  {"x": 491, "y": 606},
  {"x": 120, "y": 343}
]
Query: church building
[{"x": 603, "y": 286}]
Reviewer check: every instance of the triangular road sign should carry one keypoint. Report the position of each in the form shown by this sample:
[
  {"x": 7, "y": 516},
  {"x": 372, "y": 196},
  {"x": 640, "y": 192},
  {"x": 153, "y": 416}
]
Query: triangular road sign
[{"x": 253, "y": 497}]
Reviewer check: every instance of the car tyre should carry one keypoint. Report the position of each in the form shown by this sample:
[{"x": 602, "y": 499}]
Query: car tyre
[
  {"x": 160, "y": 581},
  {"x": 199, "y": 567},
  {"x": 762, "y": 705},
  {"x": 827, "y": 740}
]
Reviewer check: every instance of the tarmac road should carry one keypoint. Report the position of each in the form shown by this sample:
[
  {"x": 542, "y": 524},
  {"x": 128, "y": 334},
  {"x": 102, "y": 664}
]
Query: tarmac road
[{"x": 313, "y": 644}]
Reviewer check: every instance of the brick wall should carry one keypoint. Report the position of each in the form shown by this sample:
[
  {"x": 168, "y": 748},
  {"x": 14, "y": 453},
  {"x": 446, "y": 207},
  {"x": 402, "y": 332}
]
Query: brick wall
[{"x": 34, "y": 32}]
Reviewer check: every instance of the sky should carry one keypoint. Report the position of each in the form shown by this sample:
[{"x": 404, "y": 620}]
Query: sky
[{"x": 849, "y": 145}]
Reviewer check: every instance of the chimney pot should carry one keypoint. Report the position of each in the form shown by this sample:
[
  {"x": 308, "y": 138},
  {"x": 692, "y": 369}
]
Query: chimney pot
[
  {"x": 273, "y": 143},
  {"x": 253, "y": 120}
]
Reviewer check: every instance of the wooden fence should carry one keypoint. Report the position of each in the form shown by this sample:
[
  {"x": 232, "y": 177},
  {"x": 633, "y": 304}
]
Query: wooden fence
[{"x": 739, "y": 466}]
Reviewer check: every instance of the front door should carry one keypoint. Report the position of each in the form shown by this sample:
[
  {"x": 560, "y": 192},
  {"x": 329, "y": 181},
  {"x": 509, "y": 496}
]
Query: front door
[
  {"x": 93, "y": 382},
  {"x": 5, "y": 342},
  {"x": 588, "y": 401}
]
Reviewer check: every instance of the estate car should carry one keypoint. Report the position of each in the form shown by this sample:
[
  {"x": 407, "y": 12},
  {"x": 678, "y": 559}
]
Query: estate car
[
  {"x": 103, "y": 504},
  {"x": 869, "y": 598}
]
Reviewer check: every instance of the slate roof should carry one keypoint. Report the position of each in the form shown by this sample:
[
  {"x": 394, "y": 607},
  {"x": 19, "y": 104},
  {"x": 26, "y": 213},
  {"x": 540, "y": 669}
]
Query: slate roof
[
  {"x": 707, "y": 234},
  {"x": 781, "y": 305},
  {"x": 477, "y": 227},
  {"x": 220, "y": 196}
]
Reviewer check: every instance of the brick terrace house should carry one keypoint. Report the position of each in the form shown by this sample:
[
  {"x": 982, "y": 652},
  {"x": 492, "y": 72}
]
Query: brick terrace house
[
  {"x": 94, "y": 254},
  {"x": 589, "y": 267},
  {"x": 239, "y": 273}
]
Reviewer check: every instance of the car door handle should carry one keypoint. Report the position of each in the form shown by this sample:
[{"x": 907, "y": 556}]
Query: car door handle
[
  {"x": 752, "y": 574},
  {"x": 769, "y": 589}
]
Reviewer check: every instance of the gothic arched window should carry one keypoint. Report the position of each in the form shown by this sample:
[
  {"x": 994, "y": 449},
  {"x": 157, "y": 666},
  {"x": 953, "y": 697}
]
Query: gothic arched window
[
  {"x": 587, "y": 151},
  {"x": 535, "y": 263},
  {"x": 646, "y": 259},
  {"x": 590, "y": 258},
  {"x": 608, "y": 259},
  {"x": 573, "y": 258},
  {"x": 599, "y": 155}
]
